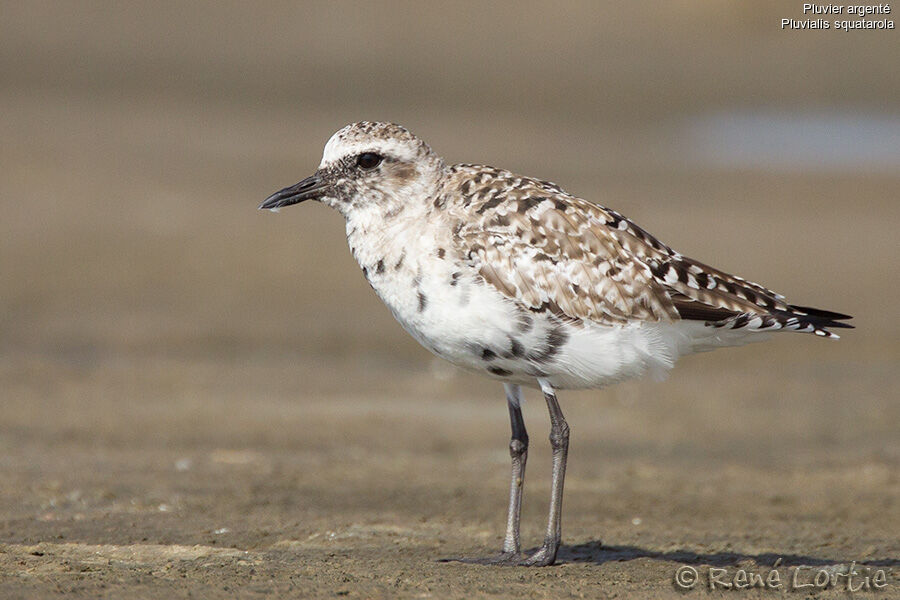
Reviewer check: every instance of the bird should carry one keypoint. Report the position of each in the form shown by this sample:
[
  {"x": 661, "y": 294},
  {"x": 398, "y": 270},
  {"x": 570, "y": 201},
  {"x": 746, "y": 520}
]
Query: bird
[{"x": 514, "y": 278}]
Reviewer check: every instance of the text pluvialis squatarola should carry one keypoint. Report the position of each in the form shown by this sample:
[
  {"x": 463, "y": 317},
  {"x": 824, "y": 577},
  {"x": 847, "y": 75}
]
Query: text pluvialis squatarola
[{"x": 513, "y": 278}]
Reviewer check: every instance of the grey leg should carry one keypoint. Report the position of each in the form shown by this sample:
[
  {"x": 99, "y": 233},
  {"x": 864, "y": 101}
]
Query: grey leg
[
  {"x": 559, "y": 442},
  {"x": 518, "y": 452}
]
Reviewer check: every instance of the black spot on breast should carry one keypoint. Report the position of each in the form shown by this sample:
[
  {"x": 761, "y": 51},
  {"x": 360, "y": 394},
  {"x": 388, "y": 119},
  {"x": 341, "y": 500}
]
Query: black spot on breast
[
  {"x": 400, "y": 261},
  {"x": 365, "y": 272},
  {"x": 441, "y": 252},
  {"x": 454, "y": 278},
  {"x": 379, "y": 267},
  {"x": 423, "y": 302},
  {"x": 556, "y": 339},
  {"x": 499, "y": 372},
  {"x": 516, "y": 348},
  {"x": 488, "y": 355}
]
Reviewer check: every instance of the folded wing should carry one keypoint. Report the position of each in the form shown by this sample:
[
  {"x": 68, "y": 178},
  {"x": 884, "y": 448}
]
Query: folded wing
[{"x": 550, "y": 251}]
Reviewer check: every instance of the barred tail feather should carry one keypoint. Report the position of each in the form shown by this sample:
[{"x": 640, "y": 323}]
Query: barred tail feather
[{"x": 802, "y": 319}]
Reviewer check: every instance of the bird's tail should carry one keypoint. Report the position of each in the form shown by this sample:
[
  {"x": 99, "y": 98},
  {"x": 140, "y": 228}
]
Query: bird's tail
[{"x": 804, "y": 319}]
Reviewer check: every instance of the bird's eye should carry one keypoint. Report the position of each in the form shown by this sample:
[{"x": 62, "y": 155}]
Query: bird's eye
[{"x": 368, "y": 160}]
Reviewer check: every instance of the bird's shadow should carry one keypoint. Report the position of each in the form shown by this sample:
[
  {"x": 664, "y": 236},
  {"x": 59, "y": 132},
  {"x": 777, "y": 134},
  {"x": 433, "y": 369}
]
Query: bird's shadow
[{"x": 598, "y": 553}]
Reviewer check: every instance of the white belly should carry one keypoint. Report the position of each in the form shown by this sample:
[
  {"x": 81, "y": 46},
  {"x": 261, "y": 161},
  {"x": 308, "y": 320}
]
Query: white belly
[{"x": 474, "y": 327}]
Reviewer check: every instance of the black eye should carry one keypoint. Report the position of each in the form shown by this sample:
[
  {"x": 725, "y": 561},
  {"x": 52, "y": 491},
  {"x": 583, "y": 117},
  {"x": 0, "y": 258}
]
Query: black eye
[{"x": 368, "y": 160}]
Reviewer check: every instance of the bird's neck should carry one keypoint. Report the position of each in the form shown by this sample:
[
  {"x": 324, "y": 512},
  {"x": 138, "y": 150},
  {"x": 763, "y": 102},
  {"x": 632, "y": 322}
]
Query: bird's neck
[{"x": 392, "y": 233}]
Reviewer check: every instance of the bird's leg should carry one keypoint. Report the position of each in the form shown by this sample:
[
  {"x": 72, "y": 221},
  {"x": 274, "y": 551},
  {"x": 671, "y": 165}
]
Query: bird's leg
[
  {"x": 559, "y": 442},
  {"x": 518, "y": 452}
]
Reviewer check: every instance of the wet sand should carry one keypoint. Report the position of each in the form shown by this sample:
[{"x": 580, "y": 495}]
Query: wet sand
[{"x": 201, "y": 400}]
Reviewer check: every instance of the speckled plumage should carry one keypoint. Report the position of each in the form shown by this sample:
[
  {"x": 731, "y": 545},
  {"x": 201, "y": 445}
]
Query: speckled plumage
[
  {"x": 532, "y": 252},
  {"x": 514, "y": 278},
  {"x": 549, "y": 250}
]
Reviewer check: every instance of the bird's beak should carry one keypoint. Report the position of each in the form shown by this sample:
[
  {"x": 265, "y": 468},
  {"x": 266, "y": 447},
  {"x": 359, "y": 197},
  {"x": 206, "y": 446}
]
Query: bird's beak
[{"x": 311, "y": 188}]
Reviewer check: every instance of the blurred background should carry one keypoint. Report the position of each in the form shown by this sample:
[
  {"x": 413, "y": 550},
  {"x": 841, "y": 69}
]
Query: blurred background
[{"x": 179, "y": 370}]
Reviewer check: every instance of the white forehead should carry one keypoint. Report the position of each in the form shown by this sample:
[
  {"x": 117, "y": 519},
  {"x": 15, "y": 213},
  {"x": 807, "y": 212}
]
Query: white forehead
[{"x": 350, "y": 141}]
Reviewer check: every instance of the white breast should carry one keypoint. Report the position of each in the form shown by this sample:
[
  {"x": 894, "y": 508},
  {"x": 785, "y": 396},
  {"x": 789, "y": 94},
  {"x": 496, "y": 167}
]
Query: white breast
[{"x": 435, "y": 297}]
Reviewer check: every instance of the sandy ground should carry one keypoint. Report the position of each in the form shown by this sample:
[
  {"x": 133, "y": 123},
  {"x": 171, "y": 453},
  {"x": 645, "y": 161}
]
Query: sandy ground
[{"x": 201, "y": 400}]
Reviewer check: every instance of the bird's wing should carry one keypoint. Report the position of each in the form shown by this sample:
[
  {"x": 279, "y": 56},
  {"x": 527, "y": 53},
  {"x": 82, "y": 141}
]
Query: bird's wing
[{"x": 548, "y": 250}]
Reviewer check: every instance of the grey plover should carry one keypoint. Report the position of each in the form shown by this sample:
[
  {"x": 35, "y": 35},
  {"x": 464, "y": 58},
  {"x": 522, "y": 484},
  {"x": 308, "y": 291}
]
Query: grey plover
[{"x": 512, "y": 277}]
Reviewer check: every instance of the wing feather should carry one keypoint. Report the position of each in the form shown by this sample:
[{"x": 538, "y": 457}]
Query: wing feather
[
  {"x": 554, "y": 256},
  {"x": 548, "y": 250}
]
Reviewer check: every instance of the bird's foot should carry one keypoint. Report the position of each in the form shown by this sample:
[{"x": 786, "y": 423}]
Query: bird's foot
[{"x": 543, "y": 557}]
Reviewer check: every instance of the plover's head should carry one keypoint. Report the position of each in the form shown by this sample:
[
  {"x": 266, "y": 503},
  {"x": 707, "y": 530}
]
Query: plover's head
[{"x": 368, "y": 165}]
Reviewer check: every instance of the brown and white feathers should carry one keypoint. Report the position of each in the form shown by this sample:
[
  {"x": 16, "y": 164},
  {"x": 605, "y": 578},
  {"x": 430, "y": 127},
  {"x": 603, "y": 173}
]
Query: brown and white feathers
[{"x": 551, "y": 251}]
